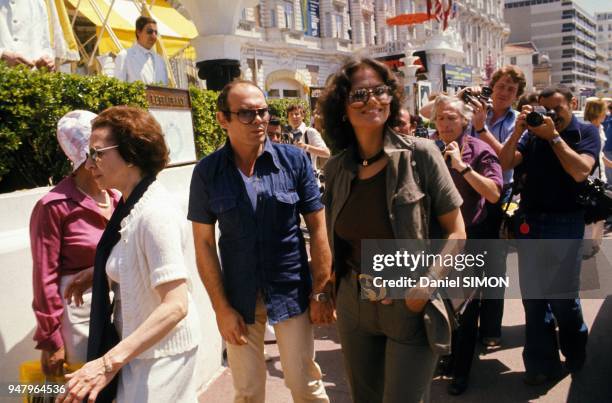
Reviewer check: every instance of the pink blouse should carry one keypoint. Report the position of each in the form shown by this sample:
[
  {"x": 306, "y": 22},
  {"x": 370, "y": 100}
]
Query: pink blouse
[{"x": 65, "y": 228}]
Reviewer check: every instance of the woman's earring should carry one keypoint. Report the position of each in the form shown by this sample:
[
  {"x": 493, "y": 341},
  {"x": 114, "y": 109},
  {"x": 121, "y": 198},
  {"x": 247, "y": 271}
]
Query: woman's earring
[{"x": 344, "y": 118}]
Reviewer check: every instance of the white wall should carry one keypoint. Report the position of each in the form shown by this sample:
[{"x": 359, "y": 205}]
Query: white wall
[{"x": 17, "y": 321}]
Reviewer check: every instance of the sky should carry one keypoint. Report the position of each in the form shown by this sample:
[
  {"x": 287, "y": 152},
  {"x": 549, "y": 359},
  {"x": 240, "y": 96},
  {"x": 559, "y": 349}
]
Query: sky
[{"x": 593, "y": 6}]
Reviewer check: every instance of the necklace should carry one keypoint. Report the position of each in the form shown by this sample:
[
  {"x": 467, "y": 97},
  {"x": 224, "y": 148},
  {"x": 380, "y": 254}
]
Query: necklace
[
  {"x": 104, "y": 204},
  {"x": 368, "y": 161}
]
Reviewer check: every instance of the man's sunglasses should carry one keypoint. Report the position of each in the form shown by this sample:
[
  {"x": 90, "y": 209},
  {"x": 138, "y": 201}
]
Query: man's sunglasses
[
  {"x": 247, "y": 116},
  {"x": 96, "y": 153},
  {"x": 359, "y": 97},
  {"x": 151, "y": 31}
]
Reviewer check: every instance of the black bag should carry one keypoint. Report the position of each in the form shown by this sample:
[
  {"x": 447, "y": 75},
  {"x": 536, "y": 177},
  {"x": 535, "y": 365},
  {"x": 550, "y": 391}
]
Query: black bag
[{"x": 596, "y": 198}]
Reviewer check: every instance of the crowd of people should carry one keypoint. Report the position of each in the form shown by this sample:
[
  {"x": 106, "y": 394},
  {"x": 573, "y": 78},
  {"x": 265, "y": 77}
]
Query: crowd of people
[{"x": 112, "y": 291}]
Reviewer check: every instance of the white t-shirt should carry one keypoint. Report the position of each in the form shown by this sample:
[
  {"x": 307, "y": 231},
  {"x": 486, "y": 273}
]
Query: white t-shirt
[{"x": 312, "y": 137}]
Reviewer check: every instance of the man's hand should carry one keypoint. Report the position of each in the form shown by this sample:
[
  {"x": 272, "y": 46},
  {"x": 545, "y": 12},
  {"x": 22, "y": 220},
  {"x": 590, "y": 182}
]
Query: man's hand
[
  {"x": 479, "y": 117},
  {"x": 52, "y": 362},
  {"x": 14, "y": 58},
  {"x": 546, "y": 131},
  {"x": 80, "y": 283},
  {"x": 322, "y": 313},
  {"x": 454, "y": 153},
  {"x": 231, "y": 326},
  {"x": 45, "y": 61}
]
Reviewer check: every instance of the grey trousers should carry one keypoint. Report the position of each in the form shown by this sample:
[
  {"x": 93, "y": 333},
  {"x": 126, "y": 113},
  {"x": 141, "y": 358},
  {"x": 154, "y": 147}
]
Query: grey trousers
[{"x": 386, "y": 353}]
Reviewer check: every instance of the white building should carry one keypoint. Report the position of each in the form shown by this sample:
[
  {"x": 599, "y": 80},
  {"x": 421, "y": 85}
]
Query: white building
[
  {"x": 564, "y": 31},
  {"x": 292, "y": 46},
  {"x": 522, "y": 55},
  {"x": 288, "y": 50},
  {"x": 604, "y": 56}
]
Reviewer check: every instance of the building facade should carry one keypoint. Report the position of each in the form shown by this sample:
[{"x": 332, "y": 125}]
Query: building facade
[
  {"x": 291, "y": 47},
  {"x": 604, "y": 54},
  {"x": 564, "y": 31}
]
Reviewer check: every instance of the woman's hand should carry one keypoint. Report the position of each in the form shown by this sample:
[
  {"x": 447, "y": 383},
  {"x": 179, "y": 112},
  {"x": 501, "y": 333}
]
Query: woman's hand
[
  {"x": 52, "y": 362},
  {"x": 80, "y": 283},
  {"x": 90, "y": 379},
  {"x": 417, "y": 298},
  {"x": 454, "y": 153}
]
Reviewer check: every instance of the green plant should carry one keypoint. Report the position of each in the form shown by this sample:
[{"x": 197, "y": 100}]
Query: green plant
[
  {"x": 208, "y": 134},
  {"x": 278, "y": 107},
  {"x": 32, "y": 102}
]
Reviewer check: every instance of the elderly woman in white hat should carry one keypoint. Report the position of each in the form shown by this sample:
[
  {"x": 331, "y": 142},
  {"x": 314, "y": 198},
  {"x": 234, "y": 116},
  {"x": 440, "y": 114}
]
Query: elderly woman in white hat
[{"x": 65, "y": 227}]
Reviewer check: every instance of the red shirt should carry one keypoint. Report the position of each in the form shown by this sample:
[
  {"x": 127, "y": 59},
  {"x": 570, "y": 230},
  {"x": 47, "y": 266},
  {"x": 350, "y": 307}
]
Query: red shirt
[{"x": 65, "y": 228}]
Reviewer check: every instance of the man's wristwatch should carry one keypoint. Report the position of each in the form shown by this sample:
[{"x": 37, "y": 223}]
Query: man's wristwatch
[
  {"x": 320, "y": 296},
  {"x": 555, "y": 140},
  {"x": 484, "y": 129}
]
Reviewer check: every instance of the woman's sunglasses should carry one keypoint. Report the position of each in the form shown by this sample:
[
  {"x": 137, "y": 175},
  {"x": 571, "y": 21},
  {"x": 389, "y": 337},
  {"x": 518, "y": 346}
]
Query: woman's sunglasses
[
  {"x": 359, "y": 97},
  {"x": 96, "y": 153}
]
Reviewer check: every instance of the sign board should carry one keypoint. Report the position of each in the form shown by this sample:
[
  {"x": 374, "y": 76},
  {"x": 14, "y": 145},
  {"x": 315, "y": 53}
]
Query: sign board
[
  {"x": 171, "y": 107},
  {"x": 394, "y": 62},
  {"x": 315, "y": 94},
  {"x": 310, "y": 17},
  {"x": 423, "y": 92},
  {"x": 456, "y": 76}
]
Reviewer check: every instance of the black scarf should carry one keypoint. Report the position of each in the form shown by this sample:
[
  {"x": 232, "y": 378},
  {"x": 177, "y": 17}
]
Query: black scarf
[{"x": 102, "y": 333}]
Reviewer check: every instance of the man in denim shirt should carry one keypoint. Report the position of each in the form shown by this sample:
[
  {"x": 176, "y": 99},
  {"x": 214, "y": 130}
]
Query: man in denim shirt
[{"x": 256, "y": 189}]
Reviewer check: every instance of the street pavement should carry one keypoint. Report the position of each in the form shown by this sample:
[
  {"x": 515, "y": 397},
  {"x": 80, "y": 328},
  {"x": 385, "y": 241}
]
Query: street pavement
[{"x": 497, "y": 374}]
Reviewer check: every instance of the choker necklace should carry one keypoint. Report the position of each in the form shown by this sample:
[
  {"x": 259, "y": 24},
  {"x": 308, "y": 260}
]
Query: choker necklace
[
  {"x": 104, "y": 204},
  {"x": 368, "y": 161}
]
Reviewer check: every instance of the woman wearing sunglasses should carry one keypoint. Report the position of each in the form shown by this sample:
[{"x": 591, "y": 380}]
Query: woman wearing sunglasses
[
  {"x": 387, "y": 355},
  {"x": 65, "y": 228},
  {"x": 149, "y": 351}
]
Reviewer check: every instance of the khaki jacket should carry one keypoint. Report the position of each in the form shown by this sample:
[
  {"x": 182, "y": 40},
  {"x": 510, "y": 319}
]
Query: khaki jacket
[{"x": 418, "y": 185}]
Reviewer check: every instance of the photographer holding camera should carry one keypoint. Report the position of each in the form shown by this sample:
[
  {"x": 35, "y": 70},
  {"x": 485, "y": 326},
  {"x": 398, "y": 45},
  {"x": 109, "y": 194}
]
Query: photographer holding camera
[
  {"x": 307, "y": 138},
  {"x": 493, "y": 124},
  {"x": 555, "y": 153},
  {"x": 477, "y": 175}
]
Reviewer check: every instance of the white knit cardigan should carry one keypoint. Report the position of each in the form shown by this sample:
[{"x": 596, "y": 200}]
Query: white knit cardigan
[{"x": 149, "y": 253}]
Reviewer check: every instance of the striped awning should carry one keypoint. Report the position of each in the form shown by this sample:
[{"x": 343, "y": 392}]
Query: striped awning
[{"x": 176, "y": 30}]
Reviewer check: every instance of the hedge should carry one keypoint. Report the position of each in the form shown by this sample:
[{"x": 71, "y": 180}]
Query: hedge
[{"x": 32, "y": 102}]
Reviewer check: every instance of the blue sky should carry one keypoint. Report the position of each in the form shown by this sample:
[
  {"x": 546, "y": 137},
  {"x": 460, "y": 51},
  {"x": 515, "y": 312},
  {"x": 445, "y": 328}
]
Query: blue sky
[{"x": 593, "y": 6}]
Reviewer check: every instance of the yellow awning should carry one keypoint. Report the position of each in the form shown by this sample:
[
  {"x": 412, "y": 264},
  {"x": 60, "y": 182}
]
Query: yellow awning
[{"x": 176, "y": 31}]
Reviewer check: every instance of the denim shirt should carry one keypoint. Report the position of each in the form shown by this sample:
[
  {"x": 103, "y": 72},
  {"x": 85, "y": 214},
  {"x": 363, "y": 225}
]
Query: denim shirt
[
  {"x": 263, "y": 250},
  {"x": 501, "y": 130}
]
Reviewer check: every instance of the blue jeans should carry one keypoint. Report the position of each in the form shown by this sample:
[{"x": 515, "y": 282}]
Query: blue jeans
[{"x": 541, "y": 352}]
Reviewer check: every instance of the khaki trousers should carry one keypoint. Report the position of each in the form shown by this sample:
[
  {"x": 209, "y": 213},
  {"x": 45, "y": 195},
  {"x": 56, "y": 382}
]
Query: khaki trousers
[{"x": 296, "y": 346}]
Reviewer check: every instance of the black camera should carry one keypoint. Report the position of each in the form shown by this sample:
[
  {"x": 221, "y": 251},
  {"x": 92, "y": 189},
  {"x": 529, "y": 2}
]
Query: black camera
[
  {"x": 420, "y": 130},
  {"x": 536, "y": 117},
  {"x": 441, "y": 145},
  {"x": 483, "y": 97}
]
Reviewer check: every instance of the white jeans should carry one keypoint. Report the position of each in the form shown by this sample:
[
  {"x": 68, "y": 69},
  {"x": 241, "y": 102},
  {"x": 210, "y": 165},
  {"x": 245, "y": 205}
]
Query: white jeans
[{"x": 296, "y": 346}]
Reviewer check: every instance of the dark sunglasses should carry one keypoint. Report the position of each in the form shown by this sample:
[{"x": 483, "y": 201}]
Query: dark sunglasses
[
  {"x": 359, "y": 97},
  {"x": 96, "y": 153},
  {"x": 151, "y": 31},
  {"x": 247, "y": 116}
]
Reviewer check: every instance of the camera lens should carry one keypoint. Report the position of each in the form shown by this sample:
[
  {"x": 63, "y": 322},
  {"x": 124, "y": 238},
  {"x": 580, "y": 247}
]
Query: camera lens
[{"x": 534, "y": 119}]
